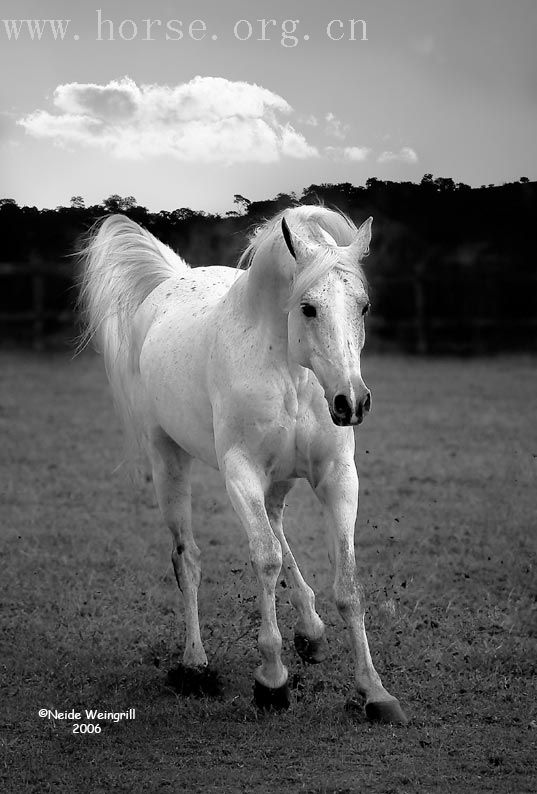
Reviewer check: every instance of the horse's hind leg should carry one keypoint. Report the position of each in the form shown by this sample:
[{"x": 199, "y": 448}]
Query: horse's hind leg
[
  {"x": 310, "y": 637},
  {"x": 171, "y": 477}
]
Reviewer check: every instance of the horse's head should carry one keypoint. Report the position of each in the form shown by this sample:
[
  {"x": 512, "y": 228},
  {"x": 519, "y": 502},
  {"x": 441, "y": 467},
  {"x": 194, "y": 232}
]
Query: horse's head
[{"x": 327, "y": 307}]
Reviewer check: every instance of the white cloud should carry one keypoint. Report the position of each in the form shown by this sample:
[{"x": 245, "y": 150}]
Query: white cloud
[
  {"x": 335, "y": 127},
  {"x": 295, "y": 145},
  {"x": 404, "y": 155},
  {"x": 356, "y": 154},
  {"x": 208, "y": 119},
  {"x": 117, "y": 101}
]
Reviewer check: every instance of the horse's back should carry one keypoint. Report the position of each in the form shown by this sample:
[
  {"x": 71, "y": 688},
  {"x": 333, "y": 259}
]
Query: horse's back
[
  {"x": 176, "y": 326},
  {"x": 183, "y": 299},
  {"x": 192, "y": 289}
]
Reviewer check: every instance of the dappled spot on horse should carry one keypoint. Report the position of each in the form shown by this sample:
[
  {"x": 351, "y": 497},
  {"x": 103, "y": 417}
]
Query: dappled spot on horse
[{"x": 225, "y": 366}]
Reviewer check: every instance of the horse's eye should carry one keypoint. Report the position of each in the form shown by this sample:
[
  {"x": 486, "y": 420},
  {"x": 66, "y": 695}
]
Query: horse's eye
[
  {"x": 309, "y": 310},
  {"x": 366, "y": 309}
]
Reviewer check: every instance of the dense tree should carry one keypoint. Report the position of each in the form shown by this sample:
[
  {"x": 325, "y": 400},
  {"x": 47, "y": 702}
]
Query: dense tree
[
  {"x": 116, "y": 203},
  {"x": 439, "y": 244},
  {"x": 242, "y": 203}
]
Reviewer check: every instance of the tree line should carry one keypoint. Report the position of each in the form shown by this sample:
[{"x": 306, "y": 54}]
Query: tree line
[{"x": 451, "y": 267}]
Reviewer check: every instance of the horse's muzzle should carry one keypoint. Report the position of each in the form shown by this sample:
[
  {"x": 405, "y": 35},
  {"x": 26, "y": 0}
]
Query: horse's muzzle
[{"x": 342, "y": 412}]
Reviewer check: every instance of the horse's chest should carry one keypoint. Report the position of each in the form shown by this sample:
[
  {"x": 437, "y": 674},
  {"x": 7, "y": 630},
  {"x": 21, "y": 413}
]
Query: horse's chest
[
  {"x": 284, "y": 443},
  {"x": 267, "y": 416}
]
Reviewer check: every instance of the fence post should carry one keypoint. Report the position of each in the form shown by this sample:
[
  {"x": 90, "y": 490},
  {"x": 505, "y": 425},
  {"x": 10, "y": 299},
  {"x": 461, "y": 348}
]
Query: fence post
[
  {"x": 38, "y": 295},
  {"x": 422, "y": 339}
]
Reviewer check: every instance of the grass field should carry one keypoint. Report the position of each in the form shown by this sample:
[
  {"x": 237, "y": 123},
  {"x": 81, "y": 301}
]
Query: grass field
[{"x": 447, "y": 548}]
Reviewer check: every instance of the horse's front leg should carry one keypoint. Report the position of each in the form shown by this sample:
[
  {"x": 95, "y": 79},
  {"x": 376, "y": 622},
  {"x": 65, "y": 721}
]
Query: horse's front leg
[
  {"x": 338, "y": 492},
  {"x": 246, "y": 491}
]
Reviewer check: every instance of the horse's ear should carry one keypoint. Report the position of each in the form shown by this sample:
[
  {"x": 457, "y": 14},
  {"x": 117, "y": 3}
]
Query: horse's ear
[
  {"x": 287, "y": 237},
  {"x": 299, "y": 249},
  {"x": 360, "y": 245}
]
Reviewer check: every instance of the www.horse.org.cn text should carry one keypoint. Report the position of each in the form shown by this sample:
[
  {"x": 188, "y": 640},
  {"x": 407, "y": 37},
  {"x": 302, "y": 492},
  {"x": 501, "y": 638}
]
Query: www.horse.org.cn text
[{"x": 288, "y": 33}]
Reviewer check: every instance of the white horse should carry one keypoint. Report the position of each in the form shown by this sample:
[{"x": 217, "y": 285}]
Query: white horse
[{"x": 256, "y": 372}]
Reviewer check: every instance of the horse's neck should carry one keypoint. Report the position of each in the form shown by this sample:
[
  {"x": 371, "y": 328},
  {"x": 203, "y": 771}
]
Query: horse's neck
[
  {"x": 258, "y": 298},
  {"x": 267, "y": 286}
]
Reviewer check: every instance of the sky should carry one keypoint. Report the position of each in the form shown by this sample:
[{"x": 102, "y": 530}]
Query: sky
[{"x": 187, "y": 116}]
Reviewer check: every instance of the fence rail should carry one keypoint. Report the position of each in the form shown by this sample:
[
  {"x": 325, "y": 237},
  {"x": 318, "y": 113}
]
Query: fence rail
[
  {"x": 46, "y": 295},
  {"x": 38, "y": 274}
]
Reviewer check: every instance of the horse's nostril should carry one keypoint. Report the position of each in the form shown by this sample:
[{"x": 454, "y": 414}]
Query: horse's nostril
[
  {"x": 367, "y": 402},
  {"x": 341, "y": 405}
]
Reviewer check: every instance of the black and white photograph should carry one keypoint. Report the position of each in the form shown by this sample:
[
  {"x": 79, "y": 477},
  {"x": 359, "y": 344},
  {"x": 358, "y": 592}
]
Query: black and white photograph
[{"x": 268, "y": 396}]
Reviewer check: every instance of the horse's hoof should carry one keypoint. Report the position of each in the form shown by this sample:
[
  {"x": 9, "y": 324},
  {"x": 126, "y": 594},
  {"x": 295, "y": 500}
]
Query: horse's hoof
[
  {"x": 195, "y": 681},
  {"x": 311, "y": 651},
  {"x": 267, "y": 699},
  {"x": 386, "y": 711}
]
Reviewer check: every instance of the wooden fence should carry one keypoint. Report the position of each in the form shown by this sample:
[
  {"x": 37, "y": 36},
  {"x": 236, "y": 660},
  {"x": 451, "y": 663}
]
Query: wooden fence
[
  {"x": 33, "y": 317},
  {"x": 45, "y": 296}
]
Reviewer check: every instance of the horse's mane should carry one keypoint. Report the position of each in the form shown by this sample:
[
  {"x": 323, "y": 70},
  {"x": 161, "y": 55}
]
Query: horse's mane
[{"x": 306, "y": 221}]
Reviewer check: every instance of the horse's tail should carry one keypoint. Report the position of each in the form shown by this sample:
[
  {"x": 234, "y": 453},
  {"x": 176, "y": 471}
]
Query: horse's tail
[{"x": 122, "y": 263}]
